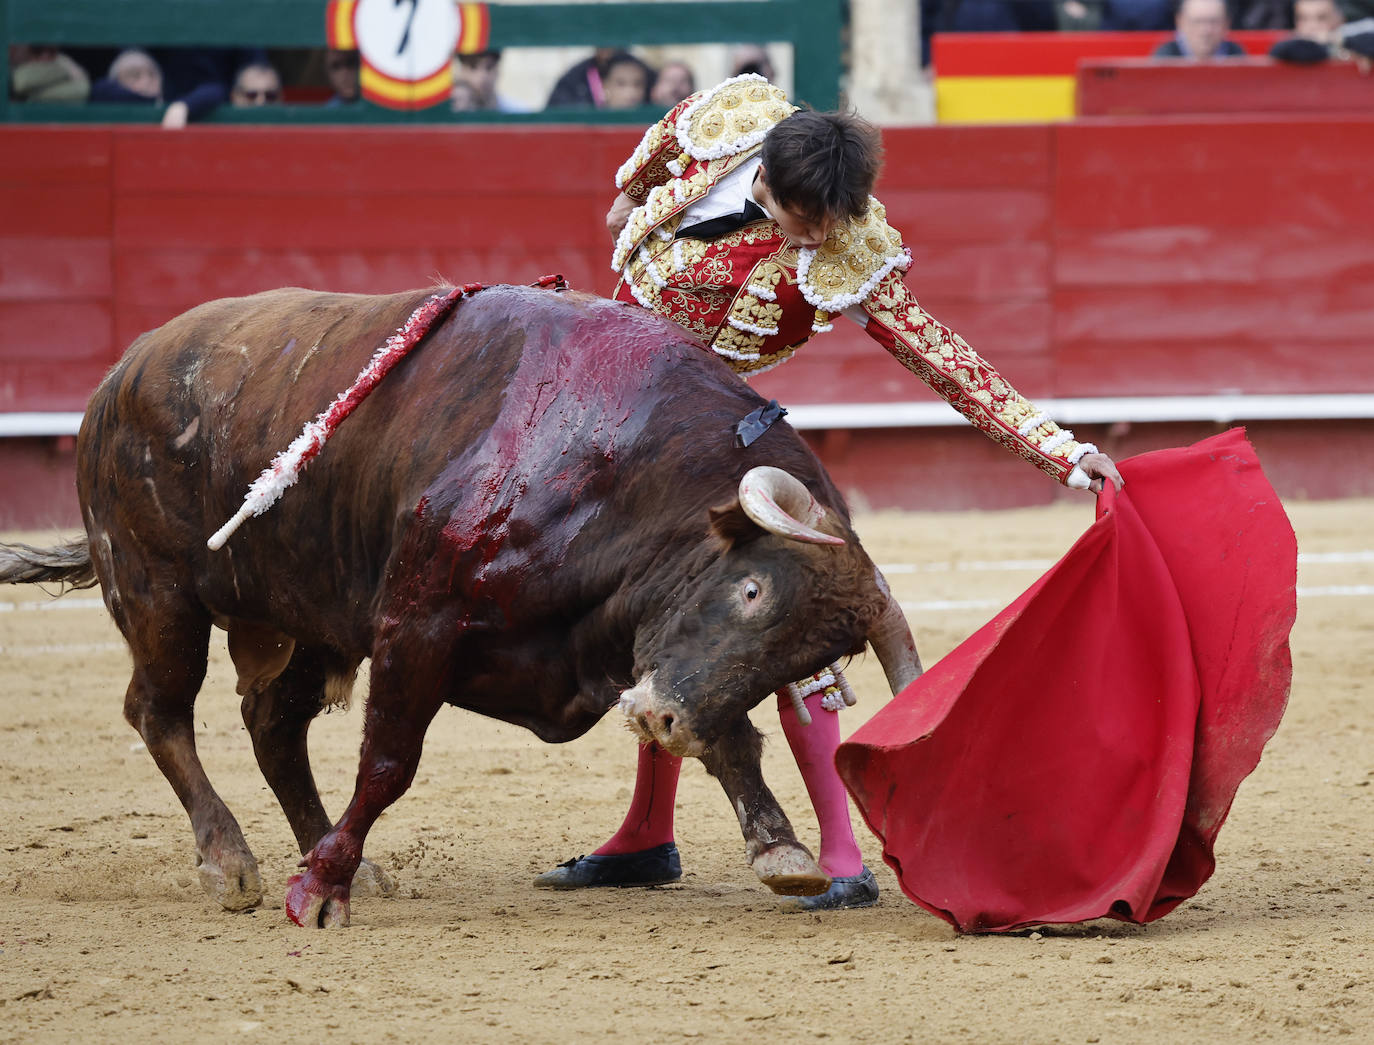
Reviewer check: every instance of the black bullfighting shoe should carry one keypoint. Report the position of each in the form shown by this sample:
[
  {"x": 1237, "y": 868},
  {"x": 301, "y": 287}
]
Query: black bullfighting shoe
[
  {"x": 858, "y": 890},
  {"x": 656, "y": 866}
]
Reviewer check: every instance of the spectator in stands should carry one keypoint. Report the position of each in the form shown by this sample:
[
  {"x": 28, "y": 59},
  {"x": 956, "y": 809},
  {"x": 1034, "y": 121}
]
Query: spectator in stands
[
  {"x": 342, "y": 67},
  {"x": 626, "y": 83},
  {"x": 45, "y": 74},
  {"x": 1201, "y": 26},
  {"x": 674, "y": 83},
  {"x": 256, "y": 84},
  {"x": 1318, "y": 20},
  {"x": 462, "y": 97},
  {"x": 135, "y": 77},
  {"x": 1320, "y": 32},
  {"x": 479, "y": 72},
  {"x": 752, "y": 58},
  {"x": 192, "y": 77},
  {"x": 202, "y": 77},
  {"x": 583, "y": 86}
]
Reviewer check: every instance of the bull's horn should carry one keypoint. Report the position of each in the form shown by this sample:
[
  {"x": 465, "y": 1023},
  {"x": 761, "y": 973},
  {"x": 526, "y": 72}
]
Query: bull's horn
[
  {"x": 891, "y": 640},
  {"x": 780, "y": 503}
]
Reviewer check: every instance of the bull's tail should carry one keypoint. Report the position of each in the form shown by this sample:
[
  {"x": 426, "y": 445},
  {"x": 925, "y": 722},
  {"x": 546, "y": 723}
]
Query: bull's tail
[{"x": 67, "y": 564}]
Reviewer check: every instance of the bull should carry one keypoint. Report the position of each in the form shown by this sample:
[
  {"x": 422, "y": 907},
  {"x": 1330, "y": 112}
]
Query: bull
[{"x": 541, "y": 508}]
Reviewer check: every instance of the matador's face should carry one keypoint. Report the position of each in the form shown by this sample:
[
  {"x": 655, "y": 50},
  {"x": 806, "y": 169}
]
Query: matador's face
[{"x": 802, "y": 231}]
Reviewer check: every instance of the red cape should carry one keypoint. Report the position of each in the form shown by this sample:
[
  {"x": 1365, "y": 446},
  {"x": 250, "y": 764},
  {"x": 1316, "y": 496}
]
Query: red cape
[{"x": 1076, "y": 757}]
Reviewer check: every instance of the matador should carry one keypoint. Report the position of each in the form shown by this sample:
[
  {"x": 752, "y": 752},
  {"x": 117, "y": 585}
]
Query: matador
[{"x": 749, "y": 222}]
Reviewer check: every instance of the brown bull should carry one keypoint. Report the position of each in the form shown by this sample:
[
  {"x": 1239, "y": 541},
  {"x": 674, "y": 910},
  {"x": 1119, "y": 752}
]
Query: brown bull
[{"x": 537, "y": 509}]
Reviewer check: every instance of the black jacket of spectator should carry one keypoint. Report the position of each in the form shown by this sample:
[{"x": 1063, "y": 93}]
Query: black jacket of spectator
[
  {"x": 573, "y": 91},
  {"x": 199, "y": 76},
  {"x": 1173, "y": 49}
]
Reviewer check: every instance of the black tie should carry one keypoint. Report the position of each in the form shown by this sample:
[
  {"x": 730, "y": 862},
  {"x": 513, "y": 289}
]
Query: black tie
[{"x": 715, "y": 227}]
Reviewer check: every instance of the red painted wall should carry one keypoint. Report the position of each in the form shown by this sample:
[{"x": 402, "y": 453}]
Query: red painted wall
[
  {"x": 1096, "y": 258},
  {"x": 1168, "y": 87}
]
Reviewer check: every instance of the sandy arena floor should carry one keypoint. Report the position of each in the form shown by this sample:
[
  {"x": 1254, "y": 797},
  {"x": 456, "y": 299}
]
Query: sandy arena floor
[{"x": 106, "y": 935}]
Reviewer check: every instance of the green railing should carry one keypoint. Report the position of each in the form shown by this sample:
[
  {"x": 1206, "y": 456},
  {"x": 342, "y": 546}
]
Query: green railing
[{"x": 812, "y": 27}]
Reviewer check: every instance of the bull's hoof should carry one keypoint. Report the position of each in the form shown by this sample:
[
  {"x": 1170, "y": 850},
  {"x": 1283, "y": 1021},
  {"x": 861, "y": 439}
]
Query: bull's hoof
[
  {"x": 230, "y": 879},
  {"x": 789, "y": 870},
  {"x": 657, "y": 866},
  {"x": 859, "y": 890},
  {"x": 371, "y": 880},
  {"x": 314, "y": 905}
]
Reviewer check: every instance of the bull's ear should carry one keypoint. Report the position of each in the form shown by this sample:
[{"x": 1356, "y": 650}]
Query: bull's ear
[{"x": 731, "y": 526}]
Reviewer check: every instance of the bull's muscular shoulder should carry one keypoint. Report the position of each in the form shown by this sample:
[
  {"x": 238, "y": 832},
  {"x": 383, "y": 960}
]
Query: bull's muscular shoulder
[
  {"x": 852, "y": 261},
  {"x": 732, "y": 117}
]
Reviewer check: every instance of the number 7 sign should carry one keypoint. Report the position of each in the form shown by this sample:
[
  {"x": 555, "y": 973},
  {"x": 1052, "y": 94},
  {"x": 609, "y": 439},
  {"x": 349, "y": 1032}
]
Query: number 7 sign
[{"x": 407, "y": 46}]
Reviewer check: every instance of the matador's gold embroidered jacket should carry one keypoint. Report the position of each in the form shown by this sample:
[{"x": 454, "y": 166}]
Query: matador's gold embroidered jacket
[{"x": 755, "y": 298}]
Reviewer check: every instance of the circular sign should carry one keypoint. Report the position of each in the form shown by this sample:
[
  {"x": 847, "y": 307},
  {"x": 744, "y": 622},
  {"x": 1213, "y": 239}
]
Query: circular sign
[{"x": 406, "y": 39}]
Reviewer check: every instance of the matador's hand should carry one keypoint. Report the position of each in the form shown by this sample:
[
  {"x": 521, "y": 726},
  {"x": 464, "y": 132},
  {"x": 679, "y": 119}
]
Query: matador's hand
[
  {"x": 1098, "y": 467},
  {"x": 619, "y": 214}
]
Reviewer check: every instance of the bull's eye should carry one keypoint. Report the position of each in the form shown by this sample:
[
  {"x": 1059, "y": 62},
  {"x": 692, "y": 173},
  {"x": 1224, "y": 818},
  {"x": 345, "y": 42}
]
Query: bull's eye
[{"x": 751, "y": 590}]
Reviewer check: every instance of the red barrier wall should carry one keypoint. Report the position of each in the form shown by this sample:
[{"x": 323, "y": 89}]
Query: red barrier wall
[
  {"x": 1122, "y": 257},
  {"x": 1168, "y": 87}
]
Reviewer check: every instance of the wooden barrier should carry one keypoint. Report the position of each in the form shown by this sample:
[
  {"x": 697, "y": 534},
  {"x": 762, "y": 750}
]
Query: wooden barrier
[
  {"x": 1161, "y": 87},
  {"x": 1135, "y": 257}
]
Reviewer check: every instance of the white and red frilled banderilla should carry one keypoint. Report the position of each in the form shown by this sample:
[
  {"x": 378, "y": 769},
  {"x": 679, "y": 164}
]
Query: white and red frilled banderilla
[
  {"x": 287, "y": 466},
  {"x": 838, "y": 694}
]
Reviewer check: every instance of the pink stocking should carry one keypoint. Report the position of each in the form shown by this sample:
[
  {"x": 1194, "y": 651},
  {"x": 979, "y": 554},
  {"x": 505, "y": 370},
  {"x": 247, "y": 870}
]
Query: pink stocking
[
  {"x": 814, "y": 747},
  {"x": 649, "y": 822}
]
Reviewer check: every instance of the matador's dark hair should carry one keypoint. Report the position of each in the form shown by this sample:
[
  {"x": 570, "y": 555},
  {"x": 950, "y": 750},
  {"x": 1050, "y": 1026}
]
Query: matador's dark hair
[{"x": 823, "y": 164}]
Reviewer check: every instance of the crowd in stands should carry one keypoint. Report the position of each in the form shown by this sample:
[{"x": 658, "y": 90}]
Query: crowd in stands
[
  {"x": 971, "y": 16},
  {"x": 187, "y": 81},
  {"x": 1200, "y": 28},
  {"x": 612, "y": 78},
  {"x": 1320, "y": 31},
  {"x": 191, "y": 82}
]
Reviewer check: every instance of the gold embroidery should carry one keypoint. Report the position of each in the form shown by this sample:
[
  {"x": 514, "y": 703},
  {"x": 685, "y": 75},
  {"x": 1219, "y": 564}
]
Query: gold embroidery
[
  {"x": 708, "y": 126},
  {"x": 767, "y": 274},
  {"x": 738, "y": 346},
  {"x": 772, "y": 359},
  {"x": 854, "y": 256},
  {"x": 734, "y": 115},
  {"x": 645, "y": 167},
  {"x": 690, "y": 252},
  {"x": 752, "y": 312},
  {"x": 944, "y": 361}
]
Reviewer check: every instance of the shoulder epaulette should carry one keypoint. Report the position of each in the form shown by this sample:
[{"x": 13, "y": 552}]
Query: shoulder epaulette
[
  {"x": 731, "y": 117},
  {"x": 852, "y": 261}
]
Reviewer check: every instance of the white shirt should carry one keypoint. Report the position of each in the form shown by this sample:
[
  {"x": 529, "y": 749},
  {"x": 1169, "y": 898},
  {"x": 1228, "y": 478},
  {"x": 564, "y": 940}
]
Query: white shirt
[{"x": 728, "y": 196}]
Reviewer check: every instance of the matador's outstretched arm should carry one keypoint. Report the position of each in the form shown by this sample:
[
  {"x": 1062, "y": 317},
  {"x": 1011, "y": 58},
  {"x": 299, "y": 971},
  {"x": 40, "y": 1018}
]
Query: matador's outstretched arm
[{"x": 945, "y": 362}]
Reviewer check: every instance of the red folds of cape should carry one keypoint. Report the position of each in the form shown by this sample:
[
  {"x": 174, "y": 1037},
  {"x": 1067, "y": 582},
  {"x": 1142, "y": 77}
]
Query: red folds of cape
[{"x": 1076, "y": 757}]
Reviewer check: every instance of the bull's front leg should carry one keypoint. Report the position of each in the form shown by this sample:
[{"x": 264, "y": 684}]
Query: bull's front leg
[
  {"x": 400, "y": 707},
  {"x": 781, "y": 862}
]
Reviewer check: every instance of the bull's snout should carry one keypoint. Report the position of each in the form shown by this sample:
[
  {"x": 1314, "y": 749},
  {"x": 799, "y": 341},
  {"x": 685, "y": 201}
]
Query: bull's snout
[
  {"x": 663, "y": 726},
  {"x": 653, "y": 715}
]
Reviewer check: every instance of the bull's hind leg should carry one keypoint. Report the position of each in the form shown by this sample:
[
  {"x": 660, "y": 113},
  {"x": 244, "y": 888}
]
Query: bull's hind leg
[
  {"x": 278, "y": 712},
  {"x": 169, "y": 642}
]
